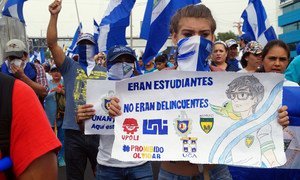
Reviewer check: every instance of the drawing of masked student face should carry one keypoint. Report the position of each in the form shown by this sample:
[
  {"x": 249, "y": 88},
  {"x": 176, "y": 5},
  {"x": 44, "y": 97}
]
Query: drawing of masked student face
[{"x": 244, "y": 93}]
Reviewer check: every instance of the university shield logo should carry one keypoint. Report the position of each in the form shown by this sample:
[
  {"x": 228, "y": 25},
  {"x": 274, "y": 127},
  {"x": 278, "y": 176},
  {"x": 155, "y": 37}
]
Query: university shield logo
[
  {"x": 206, "y": 123},
  {"x": 183, "y": 125},
  {"x": 105, "y": 101},
  {"x": 249, "y": 140},
  {"x": 189, "y": 144}
]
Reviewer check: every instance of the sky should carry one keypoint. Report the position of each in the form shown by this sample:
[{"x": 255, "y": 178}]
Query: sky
[{"x": 36, "y": 14}]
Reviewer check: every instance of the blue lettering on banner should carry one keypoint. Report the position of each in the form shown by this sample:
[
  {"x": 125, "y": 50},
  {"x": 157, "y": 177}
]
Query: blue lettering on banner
[
  {"x": 155, "y": 126},
  {"x": 128, "y": 108},
  {"x": 144, "y": 106},
  {"x": 140, "y": 86},
  {"x": 170, "y": 84},
  {"x": 102, "y": 118},
  {"x": 97, "y": 126},
  {"x": 166, "y": 105}
]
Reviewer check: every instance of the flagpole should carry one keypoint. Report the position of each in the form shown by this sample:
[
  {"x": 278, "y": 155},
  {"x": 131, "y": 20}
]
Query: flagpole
[
  {"x": 131, "y": 40},
  {"x": 77, "y": 12}
]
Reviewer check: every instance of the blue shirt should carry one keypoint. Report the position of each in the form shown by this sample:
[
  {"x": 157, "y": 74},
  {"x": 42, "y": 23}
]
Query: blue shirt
[
  {"x": 75, "y": 81},
  {"x": 50, "y": 102},
  {"x": 292, "y": 72}
]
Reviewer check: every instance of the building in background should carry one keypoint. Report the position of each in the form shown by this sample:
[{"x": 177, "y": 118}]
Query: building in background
[{"x": 289, "y": 21}]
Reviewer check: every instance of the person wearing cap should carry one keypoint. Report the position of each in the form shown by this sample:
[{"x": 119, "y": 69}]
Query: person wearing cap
[
  {"x": 232, "y": 54},
  {"x": 78, "y": 147},
  {"x": 120, "y": 65},
  {"x": 17, "y": 65},
  {"x": 292, "y": 72},
  {"x": 50, "y": 105},
  {"x": 251, "y": 59},
  {"x": 244, "y": 39}
]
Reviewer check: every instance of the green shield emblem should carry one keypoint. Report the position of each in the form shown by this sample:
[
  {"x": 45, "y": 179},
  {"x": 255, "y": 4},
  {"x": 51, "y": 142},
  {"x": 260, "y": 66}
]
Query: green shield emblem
[{"x": 206, "y": 124}]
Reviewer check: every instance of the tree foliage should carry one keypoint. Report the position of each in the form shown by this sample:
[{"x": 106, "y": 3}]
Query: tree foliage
[{"x": 226, "y": 35}]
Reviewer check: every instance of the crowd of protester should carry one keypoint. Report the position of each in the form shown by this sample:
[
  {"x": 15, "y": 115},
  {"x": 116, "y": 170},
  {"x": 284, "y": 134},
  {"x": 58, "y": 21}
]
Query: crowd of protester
[{"x": 60, "y": 86}]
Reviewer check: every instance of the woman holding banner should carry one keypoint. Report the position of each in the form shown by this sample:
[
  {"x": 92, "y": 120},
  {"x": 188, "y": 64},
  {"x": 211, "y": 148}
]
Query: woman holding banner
[
  {"x": 275, "y": 59},
  {"x": 195, "y": 22}
]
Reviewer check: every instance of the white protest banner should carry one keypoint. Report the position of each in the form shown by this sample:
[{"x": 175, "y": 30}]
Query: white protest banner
[
  {"x": 99, "y": 93},
  {"x": 201, "y": 117}
]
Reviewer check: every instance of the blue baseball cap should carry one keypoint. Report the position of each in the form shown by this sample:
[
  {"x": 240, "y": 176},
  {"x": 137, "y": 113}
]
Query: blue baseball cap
[
  {"x": 118, "y": 50},
  {"x": 86, "y": 36}
]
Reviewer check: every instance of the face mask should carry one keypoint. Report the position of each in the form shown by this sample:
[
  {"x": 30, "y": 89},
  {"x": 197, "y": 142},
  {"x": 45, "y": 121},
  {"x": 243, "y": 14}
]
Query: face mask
[
  {"x": 16, "y": 62},
  {"x": 86, "y": 57},
  {"x": 193, "y": 53},
  {"x": 120, "y": 71}
]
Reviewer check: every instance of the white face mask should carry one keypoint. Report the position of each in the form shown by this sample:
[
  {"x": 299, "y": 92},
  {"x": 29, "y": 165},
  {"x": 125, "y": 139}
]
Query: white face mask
[
  {"x": 16, "y": 62},
  {"x": 121, "y": 71}
]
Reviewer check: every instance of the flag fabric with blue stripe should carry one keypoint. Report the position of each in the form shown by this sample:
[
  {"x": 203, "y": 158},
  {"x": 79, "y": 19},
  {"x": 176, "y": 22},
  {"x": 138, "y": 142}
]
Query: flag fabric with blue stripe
[
  {"x": 193, "y": 53},
  {"x": 72, "y": 48},
  {"x": 41, "y": 56},
  {"x": 33, "y": 56},
  {"x": 155, "y": 27},
  {"x": 256, "y": 23},
  {"x": 113, "y": 25},
  {"x": 14, "y": 9},
  {"x": 96, "y": 35}
]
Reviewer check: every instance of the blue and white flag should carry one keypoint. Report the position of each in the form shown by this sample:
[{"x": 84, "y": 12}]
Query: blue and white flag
[
  {"x": 193, "y": 54},
  {"x": 14, "y": 9},
  {"x": 72, "y": 48},
  {"x": 256, "y": 23},
  {"x": 41, "y": 56},
  {"x": 33, "y": 56},
  {"x": 155, "y": 27},
  {"x": 96, "y": 35},
  {"x": 114, "y": 23}
]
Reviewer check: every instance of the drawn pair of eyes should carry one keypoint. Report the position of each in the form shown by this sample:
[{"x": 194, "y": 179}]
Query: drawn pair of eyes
[{"x": 239, "y": 95}]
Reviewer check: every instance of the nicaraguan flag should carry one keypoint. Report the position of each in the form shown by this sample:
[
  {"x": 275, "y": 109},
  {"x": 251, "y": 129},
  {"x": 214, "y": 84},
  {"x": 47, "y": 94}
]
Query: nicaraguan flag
[
  {"x": 114, "y": 23},
  {"x": 256, "y": 23},
  {"x": 33, "y": 56},
  {"x": 96, "y": 35},
  {"x": 156, "y": 23},
  {"x": 41, "y": 56},
  {"x": 193, "y": 54},
  {"x": 14, "y": 9},
  {"x": 72, "y": 48}
]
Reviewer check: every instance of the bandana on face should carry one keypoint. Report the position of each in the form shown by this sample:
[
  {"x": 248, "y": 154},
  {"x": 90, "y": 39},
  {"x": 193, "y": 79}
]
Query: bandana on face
[
  {"x": 86, "y": 57},
  {"x": 193, "y": 54},
  {"x": 29, "y": 70},
  {"x": 120, "y": 71}
]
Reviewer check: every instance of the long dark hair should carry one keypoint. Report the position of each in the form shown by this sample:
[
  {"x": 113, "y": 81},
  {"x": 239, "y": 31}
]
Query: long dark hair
[{"x": 269, "y": 46}]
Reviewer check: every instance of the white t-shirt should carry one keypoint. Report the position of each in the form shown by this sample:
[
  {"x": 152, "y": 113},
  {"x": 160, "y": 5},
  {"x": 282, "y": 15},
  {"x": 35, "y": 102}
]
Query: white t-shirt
[{"x": 104, "y": 154}]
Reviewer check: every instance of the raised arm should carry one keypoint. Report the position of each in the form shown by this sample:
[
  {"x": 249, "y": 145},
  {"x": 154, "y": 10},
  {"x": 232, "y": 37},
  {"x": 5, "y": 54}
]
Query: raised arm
[{"x": 56, "y": 50}]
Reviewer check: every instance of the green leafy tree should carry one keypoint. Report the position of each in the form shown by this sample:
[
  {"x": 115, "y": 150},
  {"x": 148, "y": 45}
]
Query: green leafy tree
[{"x": 226, "y": 35}]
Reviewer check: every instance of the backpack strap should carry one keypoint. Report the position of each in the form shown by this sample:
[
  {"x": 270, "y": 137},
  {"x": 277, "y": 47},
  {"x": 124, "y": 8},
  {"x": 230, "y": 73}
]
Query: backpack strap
[{"x": 6, "y": 89}]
